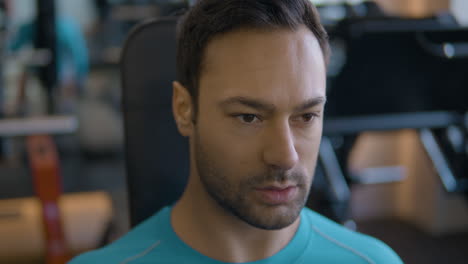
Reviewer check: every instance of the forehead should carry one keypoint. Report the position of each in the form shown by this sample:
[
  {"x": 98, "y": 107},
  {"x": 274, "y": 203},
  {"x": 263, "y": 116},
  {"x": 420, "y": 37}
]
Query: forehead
[{"x": 266, "y": 64}]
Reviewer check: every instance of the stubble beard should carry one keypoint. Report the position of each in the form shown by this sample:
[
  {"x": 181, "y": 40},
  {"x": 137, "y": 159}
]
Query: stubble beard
[{"x": 237, "y": 198}]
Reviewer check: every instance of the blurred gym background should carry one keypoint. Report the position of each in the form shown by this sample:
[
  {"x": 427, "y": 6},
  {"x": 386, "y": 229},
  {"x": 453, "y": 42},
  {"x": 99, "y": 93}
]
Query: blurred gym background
[{"x": 393, "y": 162}]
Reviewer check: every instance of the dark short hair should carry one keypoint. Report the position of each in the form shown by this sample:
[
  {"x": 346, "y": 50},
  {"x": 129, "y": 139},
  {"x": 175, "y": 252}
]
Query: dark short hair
[{"x": 210, "y": 18}]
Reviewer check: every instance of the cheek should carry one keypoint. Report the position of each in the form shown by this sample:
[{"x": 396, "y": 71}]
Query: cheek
[
  {"x": 231, "y": 152},
  {"x": 231, "y": 145},
  {"x": 307, "y": 147}
]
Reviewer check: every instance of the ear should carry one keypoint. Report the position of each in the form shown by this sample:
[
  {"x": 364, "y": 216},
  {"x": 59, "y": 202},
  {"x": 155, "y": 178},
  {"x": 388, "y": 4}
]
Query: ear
[{"x": 182, "y": 108}]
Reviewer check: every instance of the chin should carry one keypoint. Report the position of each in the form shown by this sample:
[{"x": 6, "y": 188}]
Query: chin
[{"x": 272, "y": 217}]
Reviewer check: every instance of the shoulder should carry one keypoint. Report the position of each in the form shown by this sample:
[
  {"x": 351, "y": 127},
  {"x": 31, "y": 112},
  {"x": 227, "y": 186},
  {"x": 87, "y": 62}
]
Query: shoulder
[
  {"x": 118, "y": 254},
  {"x": 145, "y": 240},
  {"x": 341, "y": 239}
]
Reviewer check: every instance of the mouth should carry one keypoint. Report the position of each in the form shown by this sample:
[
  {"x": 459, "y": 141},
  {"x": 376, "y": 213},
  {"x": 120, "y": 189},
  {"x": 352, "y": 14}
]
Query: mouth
[{"x": 277, "y": 194}]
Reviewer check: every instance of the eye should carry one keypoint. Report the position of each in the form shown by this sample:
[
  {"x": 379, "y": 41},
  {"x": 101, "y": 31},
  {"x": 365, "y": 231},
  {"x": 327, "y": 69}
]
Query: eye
[
  {"x": 308, "y": 117},
  {"x": 248, "y": 118}
]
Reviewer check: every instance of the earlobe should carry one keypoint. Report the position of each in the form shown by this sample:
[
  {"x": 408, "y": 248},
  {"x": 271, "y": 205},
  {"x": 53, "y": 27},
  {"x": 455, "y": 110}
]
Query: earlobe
[{"x": 182, "y": 108}]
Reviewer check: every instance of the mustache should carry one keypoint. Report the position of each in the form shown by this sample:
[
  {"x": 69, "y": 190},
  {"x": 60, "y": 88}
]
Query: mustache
[{"x": 278, "y": 176}]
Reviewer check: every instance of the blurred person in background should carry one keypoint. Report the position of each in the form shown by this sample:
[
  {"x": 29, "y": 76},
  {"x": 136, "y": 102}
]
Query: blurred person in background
[{"x": 72, "y": 57}]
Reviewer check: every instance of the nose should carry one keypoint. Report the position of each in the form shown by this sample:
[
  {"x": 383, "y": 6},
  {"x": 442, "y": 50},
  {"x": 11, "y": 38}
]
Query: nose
[{"x": 280, "y": 151}]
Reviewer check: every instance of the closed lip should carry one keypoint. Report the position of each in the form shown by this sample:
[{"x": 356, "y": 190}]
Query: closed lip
[
  {"x": 277, "y": 194},
  {"x": 276, "y": 187}
]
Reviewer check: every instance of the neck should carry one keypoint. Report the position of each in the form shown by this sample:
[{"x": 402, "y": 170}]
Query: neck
[{"x": 208, "y": 228}]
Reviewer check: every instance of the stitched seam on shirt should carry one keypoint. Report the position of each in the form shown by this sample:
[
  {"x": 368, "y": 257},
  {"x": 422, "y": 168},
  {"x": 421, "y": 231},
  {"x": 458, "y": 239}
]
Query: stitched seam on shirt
[
  {"x": 334, "y": 241},
  {"x": 141, "y": 254}
]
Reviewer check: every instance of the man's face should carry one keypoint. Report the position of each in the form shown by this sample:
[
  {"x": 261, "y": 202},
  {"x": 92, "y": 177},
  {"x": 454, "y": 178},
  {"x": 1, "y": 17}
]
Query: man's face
[{"x": 259, "y": 123}]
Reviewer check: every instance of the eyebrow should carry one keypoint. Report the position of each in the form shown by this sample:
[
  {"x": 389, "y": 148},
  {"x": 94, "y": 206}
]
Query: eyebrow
[
  {"x": 267, "y": 107},
  {"x": 311, "y": 103},
  {"x": 249, "y": 102}
]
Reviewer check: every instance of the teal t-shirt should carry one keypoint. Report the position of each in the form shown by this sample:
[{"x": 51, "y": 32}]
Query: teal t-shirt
[{"x": 317, "y": 240}]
